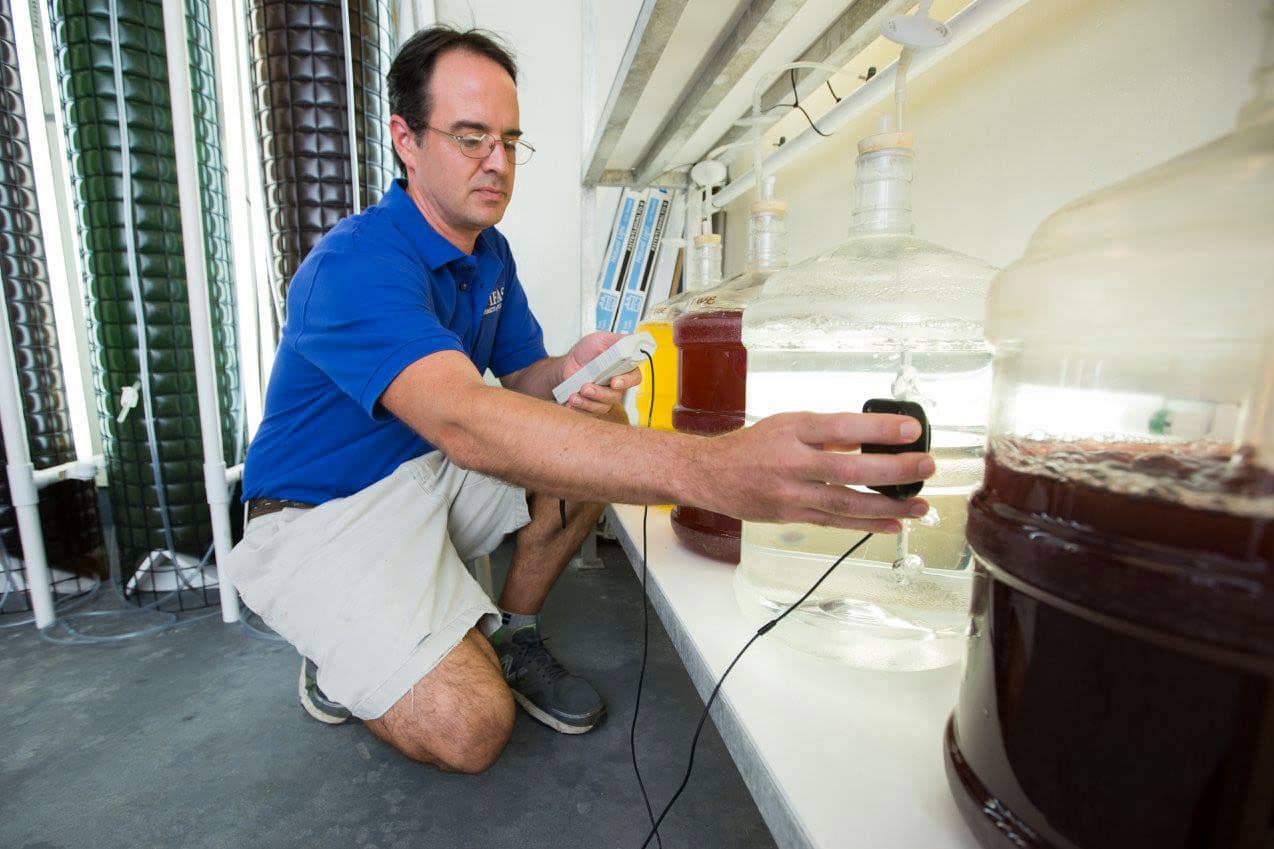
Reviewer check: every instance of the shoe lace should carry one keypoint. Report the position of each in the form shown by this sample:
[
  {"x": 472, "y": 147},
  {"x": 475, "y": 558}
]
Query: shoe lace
[{"x": 538, "y": 661}]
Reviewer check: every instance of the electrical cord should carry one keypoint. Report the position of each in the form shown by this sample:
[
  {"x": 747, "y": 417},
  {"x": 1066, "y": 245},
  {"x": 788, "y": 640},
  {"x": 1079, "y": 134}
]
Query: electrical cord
[
  {"x": 797, "y": 105},
  {"x": 645, "y": 644},
  {"x": 707, "y": 706},
  {"x": 645, "y": 632}
]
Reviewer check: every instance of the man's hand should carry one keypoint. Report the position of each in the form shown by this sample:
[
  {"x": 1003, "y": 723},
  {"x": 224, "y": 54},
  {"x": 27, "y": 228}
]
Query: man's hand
[
  {"x": 592, "y": 398},
  {"x": 790, "y": 468}
]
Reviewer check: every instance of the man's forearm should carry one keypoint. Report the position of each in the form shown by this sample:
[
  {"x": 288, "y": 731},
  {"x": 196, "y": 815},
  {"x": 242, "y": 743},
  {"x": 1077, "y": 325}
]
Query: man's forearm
[
  {"x": 544, "y": 447},
  {"x": 549, "y": 449},
  {"x": 538, "y": 379}
]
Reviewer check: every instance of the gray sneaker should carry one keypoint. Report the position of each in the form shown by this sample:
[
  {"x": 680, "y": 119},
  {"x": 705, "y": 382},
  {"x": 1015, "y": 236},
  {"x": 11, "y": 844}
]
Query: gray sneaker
[
  {"x": 314, "y": 700},
  {"x": 545, "y": 689}
]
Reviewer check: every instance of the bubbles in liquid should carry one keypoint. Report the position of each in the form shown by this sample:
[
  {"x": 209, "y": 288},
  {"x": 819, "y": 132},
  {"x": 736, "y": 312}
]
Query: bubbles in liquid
[
  {"x": 930, "y": 519},
  {"x": 906, "y": 385},
  {"x": 908, "y": 567}
]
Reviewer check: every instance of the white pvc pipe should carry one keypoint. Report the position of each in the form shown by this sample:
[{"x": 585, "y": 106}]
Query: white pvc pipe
[
  {"x": 214, "y": 466},
  {"x": 80, "y": 470},
  {"x": 972, "y": 21},
  {"x": 350, "y": 111},
  {"x": 240, "y": 141},
  {"x": 22, "y": 490},
  {"x": 694, "y": 218}
]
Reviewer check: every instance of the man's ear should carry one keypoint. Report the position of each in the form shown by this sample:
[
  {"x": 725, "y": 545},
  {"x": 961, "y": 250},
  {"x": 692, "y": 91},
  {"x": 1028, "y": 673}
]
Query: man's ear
[{"x": 404, "y": 138}]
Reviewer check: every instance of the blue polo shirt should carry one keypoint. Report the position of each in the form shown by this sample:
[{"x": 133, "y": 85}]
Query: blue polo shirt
[{"x": 381, "y": 290}]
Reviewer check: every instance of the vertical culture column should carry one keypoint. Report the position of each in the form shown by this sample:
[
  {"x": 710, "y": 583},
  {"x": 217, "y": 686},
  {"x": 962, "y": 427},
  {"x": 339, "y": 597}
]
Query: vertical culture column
[
  {"x": 68, "y": 510},
  {"x": 302, "y": 79},
  {"x": 111, "y": 64}
]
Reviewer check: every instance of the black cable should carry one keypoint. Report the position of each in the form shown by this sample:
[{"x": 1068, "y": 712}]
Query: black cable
[
  {"x": 708, "y": 704},
  {"x": 645, "y": 634},
  {"x": 798, "y": 105}
]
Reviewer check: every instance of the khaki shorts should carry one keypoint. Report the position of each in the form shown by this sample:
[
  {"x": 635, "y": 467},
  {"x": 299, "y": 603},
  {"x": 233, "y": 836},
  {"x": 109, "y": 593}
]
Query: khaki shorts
[{"x": 373, "y": 588}]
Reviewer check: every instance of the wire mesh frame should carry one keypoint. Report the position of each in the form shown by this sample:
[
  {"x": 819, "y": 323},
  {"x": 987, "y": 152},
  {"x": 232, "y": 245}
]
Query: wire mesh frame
[
  {"x": 68, "y": 509},
  {"x": 302, "y": 117},
  {"x": 82, "y": 34}
]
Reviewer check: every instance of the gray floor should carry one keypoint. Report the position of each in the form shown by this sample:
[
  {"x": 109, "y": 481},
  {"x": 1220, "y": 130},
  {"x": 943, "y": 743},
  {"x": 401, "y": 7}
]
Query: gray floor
[{"x": 193, "y": 738}]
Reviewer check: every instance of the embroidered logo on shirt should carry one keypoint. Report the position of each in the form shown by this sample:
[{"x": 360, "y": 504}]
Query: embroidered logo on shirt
[{"x": 494, "y": 302}]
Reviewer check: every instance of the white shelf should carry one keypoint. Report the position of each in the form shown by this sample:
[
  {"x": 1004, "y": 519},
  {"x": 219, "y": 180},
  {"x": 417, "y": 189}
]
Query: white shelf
[{"x": 834, "y": 757}]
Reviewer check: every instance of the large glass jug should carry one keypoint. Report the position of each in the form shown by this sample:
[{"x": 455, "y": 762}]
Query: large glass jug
[
  {"x": 885, "y": 314},
  {"x": 712, "y": 368},
  {"x": 658, "y": 323},
  {"x": 1120, "y": 681}
]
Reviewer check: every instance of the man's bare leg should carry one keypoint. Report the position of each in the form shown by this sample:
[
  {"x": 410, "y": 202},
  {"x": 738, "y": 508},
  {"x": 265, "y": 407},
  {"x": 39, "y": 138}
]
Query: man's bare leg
[
  {"x": 458, "y": 717},
  {"x": 542, "y": 550}
]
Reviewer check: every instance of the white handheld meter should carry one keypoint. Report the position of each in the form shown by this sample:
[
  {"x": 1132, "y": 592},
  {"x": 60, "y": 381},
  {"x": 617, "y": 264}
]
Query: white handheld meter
[{"x": 625, "y": 355}]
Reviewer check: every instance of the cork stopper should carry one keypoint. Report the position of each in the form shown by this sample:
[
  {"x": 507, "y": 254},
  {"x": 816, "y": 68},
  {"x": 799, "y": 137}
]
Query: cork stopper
[
  {"x": 773, "y": 205},
  {"x": 881, "y": 141}
]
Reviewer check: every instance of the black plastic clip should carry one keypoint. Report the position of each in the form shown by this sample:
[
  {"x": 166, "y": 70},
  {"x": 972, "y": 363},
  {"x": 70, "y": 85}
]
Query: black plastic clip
[{"x": 900, "y": 408}]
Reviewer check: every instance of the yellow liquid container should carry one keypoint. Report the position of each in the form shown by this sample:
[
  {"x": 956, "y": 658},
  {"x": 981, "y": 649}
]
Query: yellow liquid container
[
  {"x": 658, "y": 324},
  {"x": 665, "y": 383}
]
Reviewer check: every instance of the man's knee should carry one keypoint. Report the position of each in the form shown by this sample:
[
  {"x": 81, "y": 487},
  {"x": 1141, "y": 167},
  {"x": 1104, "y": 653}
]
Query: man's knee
[
  {"x": 458, "y": 717},
  {"x": 473, "y": 744},
  {"x": 461, "y": 735}
]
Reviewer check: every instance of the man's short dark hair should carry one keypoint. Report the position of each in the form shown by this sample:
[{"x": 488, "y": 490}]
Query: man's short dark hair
[{"x": 413, "y": 68}]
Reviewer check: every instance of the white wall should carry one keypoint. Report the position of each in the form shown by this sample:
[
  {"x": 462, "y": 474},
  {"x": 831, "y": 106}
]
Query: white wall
[
  {"x": 543, "y": 219},
  {"x": 1060, "y": 98}
]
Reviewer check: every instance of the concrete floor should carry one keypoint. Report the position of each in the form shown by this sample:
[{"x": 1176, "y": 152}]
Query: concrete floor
[{"x": 194, "y": 738}]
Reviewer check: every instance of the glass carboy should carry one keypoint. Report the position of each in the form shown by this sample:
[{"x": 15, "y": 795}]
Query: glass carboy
[
  {"x": 705, "y": 274},
  {"x": 712, "y": 368},
  {"x": 884, "y": 315},
  {"x": 1120, "y": 681}
]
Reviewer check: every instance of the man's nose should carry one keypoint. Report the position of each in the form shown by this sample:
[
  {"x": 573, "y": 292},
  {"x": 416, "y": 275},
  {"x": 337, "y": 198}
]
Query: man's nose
[{"x": 498, "y": 160}]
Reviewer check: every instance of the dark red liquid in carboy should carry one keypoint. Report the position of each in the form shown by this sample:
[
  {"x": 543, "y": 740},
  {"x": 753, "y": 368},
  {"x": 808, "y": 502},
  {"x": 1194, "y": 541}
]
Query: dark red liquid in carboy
[
  {"x": 1120, "y": 682},
  {"x": 712, "y": 381}
]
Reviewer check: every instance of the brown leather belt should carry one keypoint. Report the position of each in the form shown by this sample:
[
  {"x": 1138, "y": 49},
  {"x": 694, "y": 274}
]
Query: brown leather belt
[{"x": 259, "y": 507}]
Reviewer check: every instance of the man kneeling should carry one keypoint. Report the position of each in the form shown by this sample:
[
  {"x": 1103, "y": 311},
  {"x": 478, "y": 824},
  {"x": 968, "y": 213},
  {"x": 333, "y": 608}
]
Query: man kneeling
[{"x": 385, "y": 462}]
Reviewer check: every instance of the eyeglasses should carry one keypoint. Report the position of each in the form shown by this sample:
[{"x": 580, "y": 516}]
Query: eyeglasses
[{"x": 480, "y": 145}]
